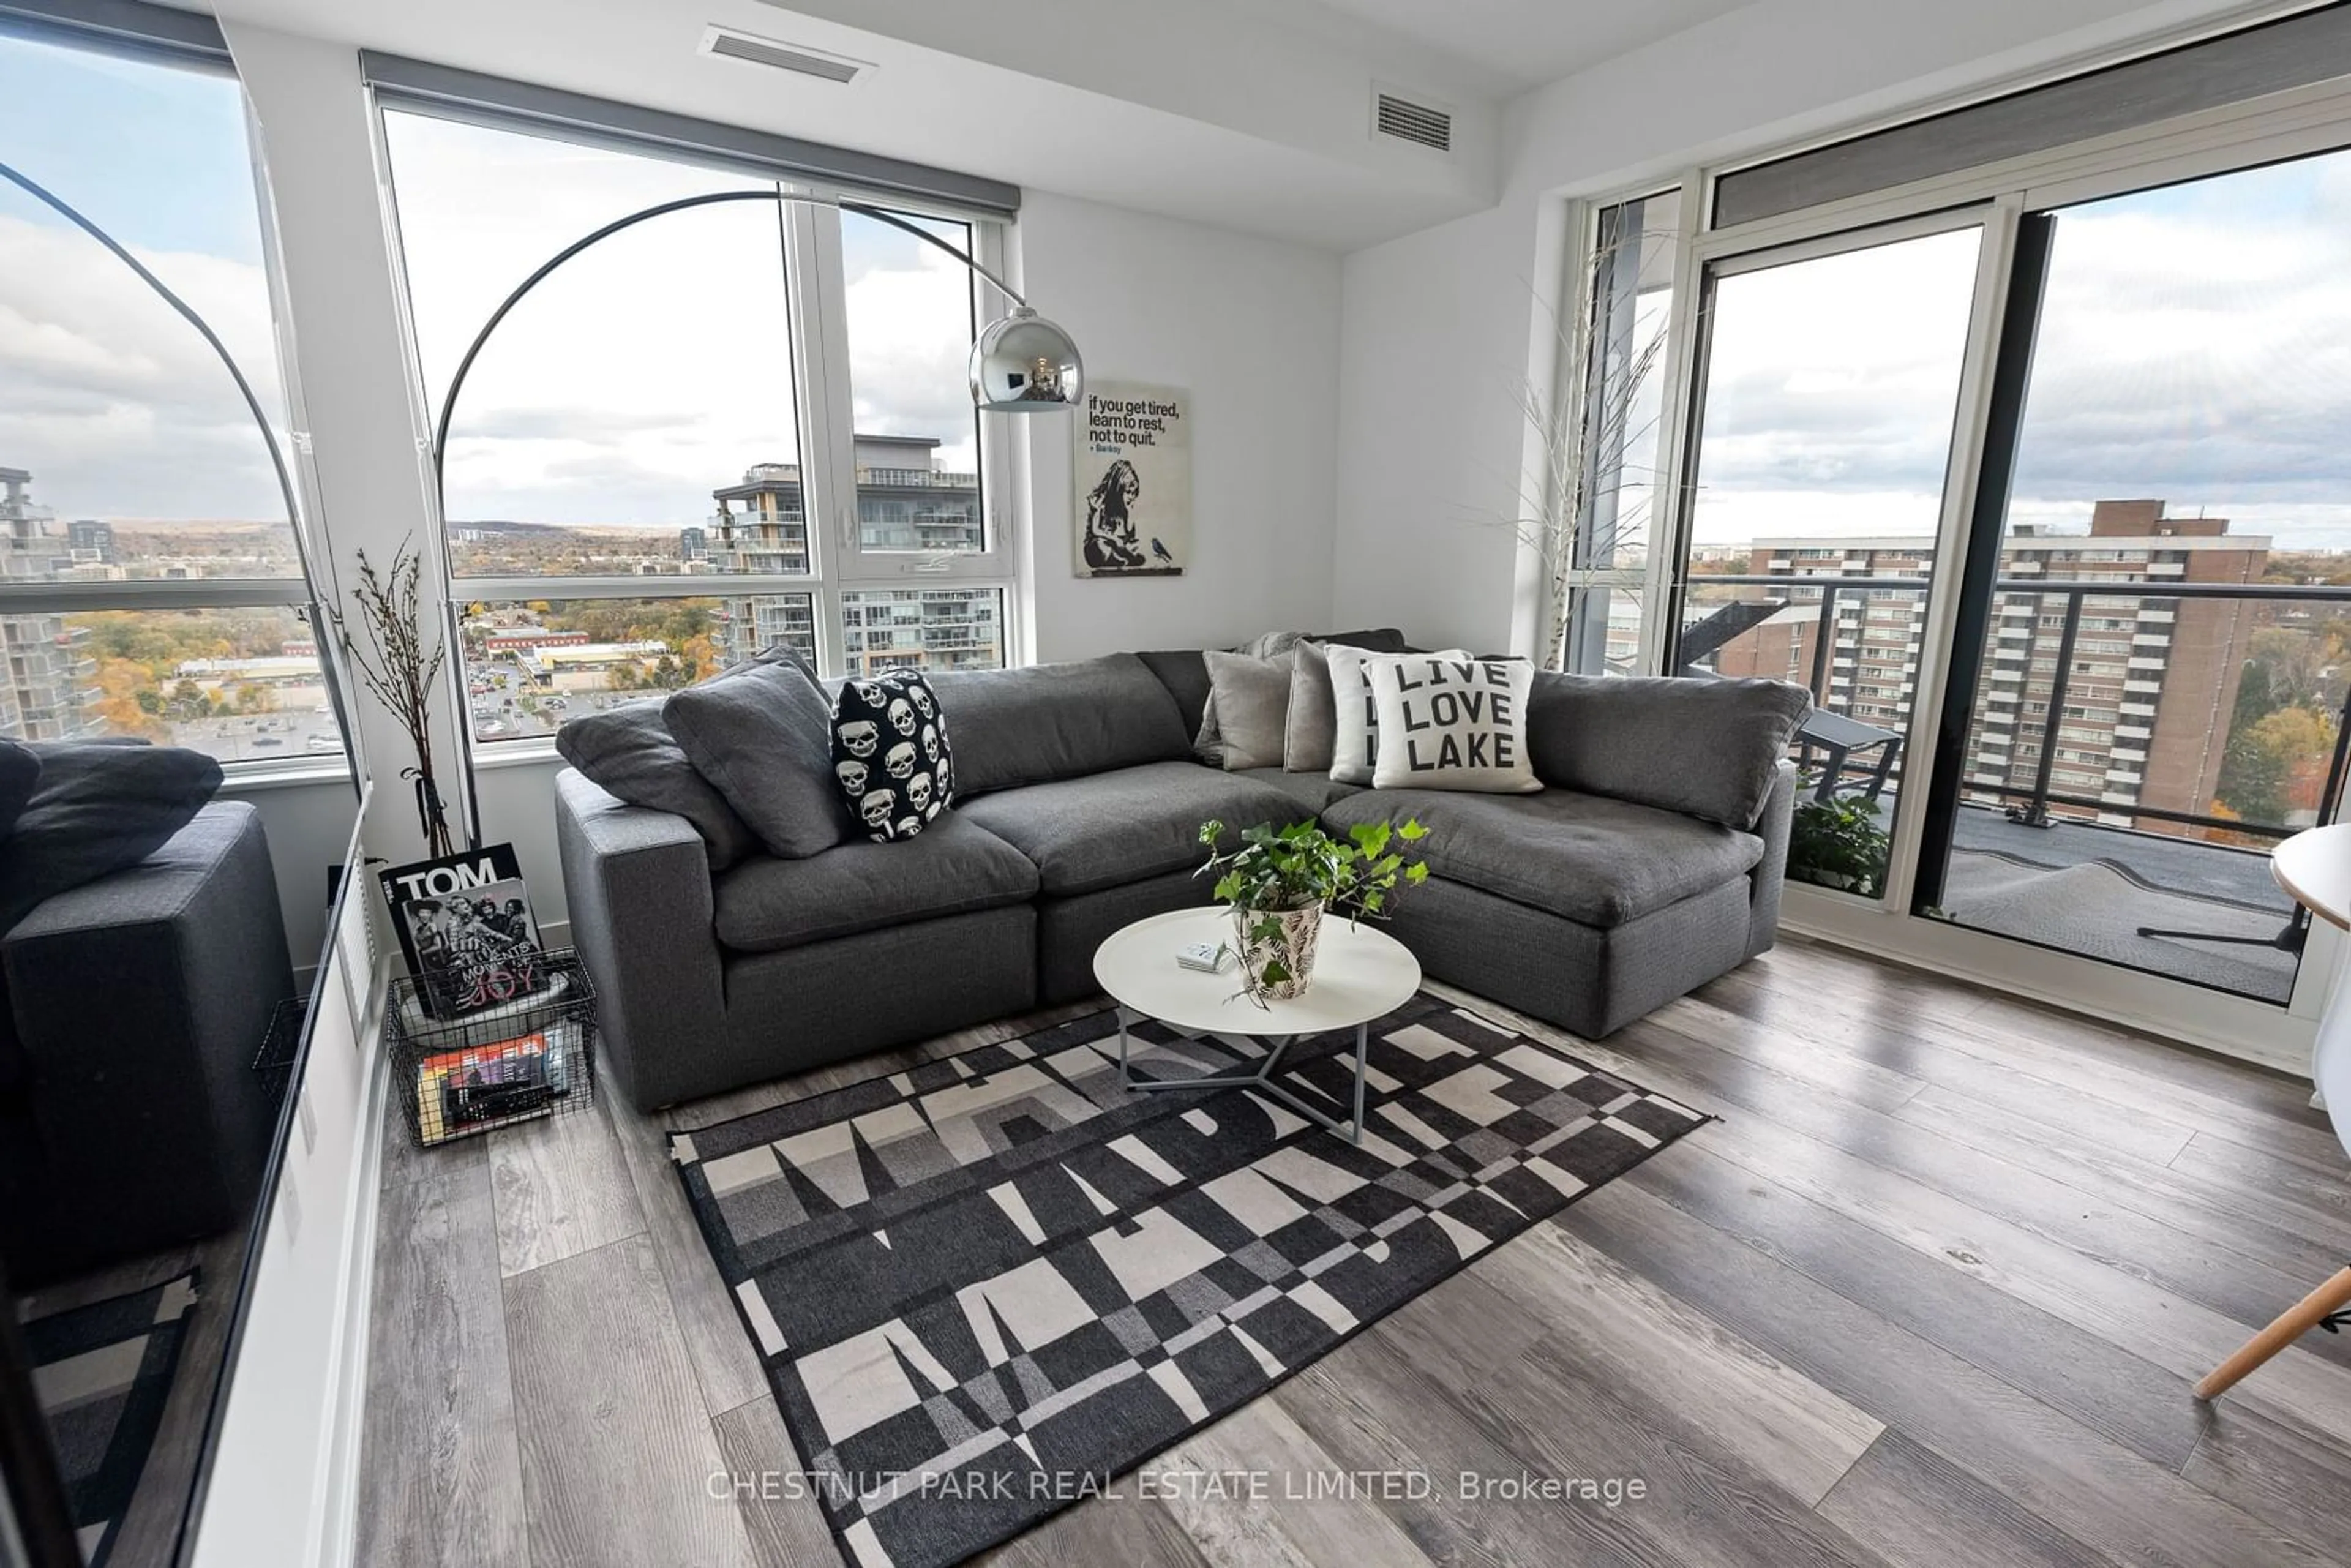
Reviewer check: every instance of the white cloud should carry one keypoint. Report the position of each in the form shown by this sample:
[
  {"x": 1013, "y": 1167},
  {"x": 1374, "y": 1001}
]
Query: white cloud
[
  {"x": 112, "y": 400},
  {"x": 655, "y": 366},
  {"x": 2195, "y": 345}
]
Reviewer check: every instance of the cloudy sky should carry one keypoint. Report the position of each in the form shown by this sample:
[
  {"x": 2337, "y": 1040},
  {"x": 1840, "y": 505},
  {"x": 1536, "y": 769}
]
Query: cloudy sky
[
  {"x": 644, "y": 374},
  {"x": 2195, "y": 345},
  {"x": 656, "y": 366},
  {"x": 114, "y": 403}
]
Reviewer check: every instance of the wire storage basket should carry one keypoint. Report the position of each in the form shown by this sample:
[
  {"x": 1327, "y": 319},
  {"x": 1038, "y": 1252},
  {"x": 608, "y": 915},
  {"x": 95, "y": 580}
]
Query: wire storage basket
[{"x": 529, "y": 1056}]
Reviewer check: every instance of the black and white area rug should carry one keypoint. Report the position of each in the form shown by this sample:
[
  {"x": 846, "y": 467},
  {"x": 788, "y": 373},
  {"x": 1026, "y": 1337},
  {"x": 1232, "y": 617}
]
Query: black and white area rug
[
  {"x": 102, "y": 1374},
  {"x": 984, "y": 1288}
]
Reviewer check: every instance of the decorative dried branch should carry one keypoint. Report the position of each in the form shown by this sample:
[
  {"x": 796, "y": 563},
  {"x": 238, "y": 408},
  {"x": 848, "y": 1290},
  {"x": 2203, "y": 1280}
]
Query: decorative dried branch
[
  {"x": 1582, "y": 432},
  {"x": 399, "y": 667}
]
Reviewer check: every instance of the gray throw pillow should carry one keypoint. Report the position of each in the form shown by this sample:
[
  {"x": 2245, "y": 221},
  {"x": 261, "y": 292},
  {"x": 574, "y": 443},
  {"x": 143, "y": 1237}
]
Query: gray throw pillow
[
  {"x": 1249, "y": 709},
  {"x": 1270, "y": 645},
  {"x": 762, "y": 735},
  {"x": 628, "y": 753},
  {"x": 95, "y": 808},
  {"x": 1313, "y": 723}
]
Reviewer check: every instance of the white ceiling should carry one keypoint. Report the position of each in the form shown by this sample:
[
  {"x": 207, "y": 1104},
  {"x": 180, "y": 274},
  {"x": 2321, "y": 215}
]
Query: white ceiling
[
  {"x": 1250, "y": 114},
  {"x": 1523, "y": 44}
]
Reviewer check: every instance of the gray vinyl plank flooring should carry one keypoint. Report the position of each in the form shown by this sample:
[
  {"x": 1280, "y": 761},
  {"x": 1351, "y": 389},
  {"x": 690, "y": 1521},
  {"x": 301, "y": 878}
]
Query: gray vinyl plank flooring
[
  {"x": 1933, "y": 1290},
  {"x": 617, "y": 1448},
  {"x": 563, "y": 1189},
  {"x": 443, "y": 1481}
]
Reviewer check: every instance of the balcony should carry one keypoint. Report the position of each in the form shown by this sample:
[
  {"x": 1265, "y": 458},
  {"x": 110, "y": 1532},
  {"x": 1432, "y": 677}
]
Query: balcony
[{"x": 2089, "y": 850}]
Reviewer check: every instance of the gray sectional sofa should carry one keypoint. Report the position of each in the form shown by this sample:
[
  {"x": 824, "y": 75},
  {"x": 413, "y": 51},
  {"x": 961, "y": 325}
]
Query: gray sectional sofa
[{"x": 1651, "y": 863}]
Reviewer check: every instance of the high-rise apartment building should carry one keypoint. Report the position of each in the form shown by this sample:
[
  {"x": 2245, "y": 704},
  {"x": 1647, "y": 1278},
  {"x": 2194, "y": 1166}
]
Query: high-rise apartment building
[
  {"x": 2151, "y": 679},
  {"x": 904, "y": 503},
  {"x": 49, "y": 688}
]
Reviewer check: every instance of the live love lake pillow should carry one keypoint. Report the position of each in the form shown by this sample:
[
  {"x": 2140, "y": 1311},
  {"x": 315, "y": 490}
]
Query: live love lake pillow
[
  {"x": 890, "y": 754},
  {"x": 1355, "y": 742},
  {"x": 1453, "y": 724}
]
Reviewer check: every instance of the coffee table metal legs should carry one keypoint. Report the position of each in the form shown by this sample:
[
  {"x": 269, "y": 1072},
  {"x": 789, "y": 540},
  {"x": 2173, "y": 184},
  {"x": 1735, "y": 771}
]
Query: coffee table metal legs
[{"x": 1261, "y": 1080}]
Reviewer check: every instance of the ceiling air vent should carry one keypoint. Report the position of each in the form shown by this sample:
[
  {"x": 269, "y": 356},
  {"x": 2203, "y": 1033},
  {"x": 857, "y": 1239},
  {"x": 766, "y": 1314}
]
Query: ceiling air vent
[
  {"x": 1403, "y": 118},
  {"x": 727, "y": 44}
]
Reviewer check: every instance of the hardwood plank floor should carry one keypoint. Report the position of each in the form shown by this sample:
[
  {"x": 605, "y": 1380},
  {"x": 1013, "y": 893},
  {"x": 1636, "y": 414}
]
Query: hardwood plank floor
[
  {"x": 444, "y": 1485},
  {"x": 1933, "y": 1291}
]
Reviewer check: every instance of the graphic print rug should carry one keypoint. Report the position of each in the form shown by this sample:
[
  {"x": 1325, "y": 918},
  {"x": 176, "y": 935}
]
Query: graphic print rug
[
  {"x": 102, "y": 1374},
  {"x": 985, "y": 1287}
]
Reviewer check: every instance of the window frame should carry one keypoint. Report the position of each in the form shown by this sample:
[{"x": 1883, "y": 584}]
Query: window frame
[
  {"x": 2276, "y": 127},
  {"x": 818, "y": 331}
]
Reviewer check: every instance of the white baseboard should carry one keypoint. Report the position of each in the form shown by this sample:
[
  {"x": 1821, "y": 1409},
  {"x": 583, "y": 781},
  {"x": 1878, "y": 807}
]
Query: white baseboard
[{"x": 346, "y": 1429}]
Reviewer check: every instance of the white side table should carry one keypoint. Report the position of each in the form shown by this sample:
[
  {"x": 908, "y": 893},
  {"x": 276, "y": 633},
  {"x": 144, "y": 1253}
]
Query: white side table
[{"x": 1360, "y": 974}]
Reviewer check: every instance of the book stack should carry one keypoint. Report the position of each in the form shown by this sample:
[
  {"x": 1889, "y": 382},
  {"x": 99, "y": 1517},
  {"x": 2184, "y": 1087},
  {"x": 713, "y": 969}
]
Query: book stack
[
  {"x": 470, "y": 1091},
  {"x": 1207, "y": 957}
]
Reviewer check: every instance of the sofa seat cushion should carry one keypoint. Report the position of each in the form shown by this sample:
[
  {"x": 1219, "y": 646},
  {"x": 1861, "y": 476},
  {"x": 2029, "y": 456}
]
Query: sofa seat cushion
[
  {"x": 1120, "y": 827},
  {"x": 1311, "y": 790},
  {"x": 1593, "y": 859},
  {"x": 952, "y": 867}
]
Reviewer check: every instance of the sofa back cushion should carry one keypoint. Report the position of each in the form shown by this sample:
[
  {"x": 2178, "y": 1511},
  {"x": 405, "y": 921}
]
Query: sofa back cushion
[
  {"x": 628, "y": 753},
  {"x": 20, "y": 771},
  {"x": 1707, "y": 749},
  {"x": 1033, "y": 726},
  {"x": 762, "y": 735},
  {"x": 95, "y": 808}
]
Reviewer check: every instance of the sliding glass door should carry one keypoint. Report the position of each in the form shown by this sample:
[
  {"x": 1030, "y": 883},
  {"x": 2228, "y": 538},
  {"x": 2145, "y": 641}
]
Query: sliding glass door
[
  {"x": 1831, "y": 379},
  {"x": 2158, "y": 650}
]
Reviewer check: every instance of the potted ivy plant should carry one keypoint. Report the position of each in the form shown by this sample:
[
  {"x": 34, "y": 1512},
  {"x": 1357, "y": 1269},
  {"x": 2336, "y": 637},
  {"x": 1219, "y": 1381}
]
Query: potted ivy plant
[{"x": 1280, "y": 880}]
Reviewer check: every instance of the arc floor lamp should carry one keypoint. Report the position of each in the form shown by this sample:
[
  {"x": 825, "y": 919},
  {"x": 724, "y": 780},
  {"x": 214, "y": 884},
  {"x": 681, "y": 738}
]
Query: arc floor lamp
[{"x": 1020, "y": 363}]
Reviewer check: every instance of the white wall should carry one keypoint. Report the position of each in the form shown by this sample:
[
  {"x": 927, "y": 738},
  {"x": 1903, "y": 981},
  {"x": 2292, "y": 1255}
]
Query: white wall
[
  {"x": 517, "y": 801},
  {"x": 309, "y": 828},
  {"x": 282, "y": 1488},
  {"x": 1461, "y": 301},
  {"x": 1429, "y": 434},
  {"x": 1251, "y": 327}
]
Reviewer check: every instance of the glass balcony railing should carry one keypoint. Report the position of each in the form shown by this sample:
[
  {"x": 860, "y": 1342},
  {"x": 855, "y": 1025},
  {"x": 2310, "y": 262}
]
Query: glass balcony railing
[{"x": 2132, "y": 751}]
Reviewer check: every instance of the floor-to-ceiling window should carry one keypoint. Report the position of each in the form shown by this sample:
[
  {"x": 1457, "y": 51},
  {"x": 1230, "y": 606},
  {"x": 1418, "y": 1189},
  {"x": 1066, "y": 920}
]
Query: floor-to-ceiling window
[
  {"x": 2161, "y": 679},
  {"x": 1831, "y": 382},
  {"x": 2022, "y": 449},
  {"x": 732, "y": 422},
  {"x": 150, "y": 583}
]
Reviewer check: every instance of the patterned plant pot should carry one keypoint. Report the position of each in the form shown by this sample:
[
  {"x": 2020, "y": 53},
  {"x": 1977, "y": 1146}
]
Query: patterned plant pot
[{"x": 1292, "y": 947}]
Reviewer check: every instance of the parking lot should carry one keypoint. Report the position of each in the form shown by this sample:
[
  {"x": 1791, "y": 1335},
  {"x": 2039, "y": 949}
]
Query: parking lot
[
  {"x": 505, "y": 706},
  {"x": 263, "y": 737}
]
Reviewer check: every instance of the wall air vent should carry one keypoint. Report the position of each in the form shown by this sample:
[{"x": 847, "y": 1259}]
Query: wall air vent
[
  {"x": 1416, "y": 120},
  {"x": 728, "y": 44}
]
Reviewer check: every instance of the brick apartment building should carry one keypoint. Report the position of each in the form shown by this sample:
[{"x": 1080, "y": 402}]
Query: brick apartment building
[{"x": 2151, "y": 683}]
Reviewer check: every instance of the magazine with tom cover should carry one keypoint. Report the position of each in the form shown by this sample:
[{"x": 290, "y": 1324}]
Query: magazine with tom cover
[{"x": 467, "y": 929}]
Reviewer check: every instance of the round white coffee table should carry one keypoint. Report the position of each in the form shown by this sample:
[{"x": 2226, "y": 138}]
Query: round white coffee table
[{"x": 1360, "y": 974}]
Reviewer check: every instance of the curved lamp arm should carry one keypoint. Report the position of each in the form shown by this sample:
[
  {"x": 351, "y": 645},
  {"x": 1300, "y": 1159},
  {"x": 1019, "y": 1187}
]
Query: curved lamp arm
[
  {"x": 472, "y": 350},
  {"x": 65, "y": 210}
]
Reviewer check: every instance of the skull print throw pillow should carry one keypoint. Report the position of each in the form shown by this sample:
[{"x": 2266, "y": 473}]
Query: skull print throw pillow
[{"x": 890, "y": 752}]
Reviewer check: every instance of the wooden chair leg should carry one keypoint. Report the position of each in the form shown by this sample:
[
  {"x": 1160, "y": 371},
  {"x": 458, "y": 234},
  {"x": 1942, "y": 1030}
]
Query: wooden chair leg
[{"x": 2291, "y": 1325}]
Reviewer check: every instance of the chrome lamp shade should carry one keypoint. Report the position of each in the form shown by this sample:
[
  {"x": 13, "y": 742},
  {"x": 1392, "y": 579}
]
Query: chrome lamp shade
[{"x": 1022, "y": 363}]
